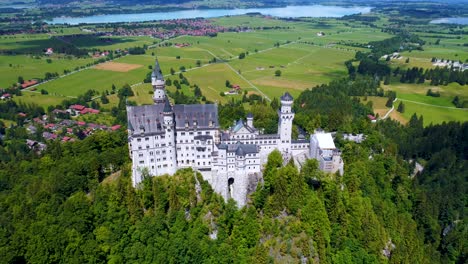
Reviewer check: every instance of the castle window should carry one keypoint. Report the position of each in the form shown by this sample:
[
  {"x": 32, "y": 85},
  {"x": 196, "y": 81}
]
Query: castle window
[
  {"x": 141, "y": 161},
  {"x": 151, "y": 153},
  {"x": 199, "y": 132},
  {"x": 207, "y": 132},
  {"x": 139, "y": 147},
  {"x": 147, "y": 146},
  {"x": 183, "y": 133},
  {"x": 139, "y": 139},
  {"x": 190, "y": 133},
  {"x": 152, "y": 160},
  {"x": 146, "y": 139}
]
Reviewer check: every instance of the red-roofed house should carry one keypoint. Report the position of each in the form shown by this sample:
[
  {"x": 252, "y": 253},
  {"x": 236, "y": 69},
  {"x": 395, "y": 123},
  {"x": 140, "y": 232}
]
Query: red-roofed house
[
  {"x": 26, "y": 84},
  {"x": 76, "y": 109},
  {"x": 49, "y": 126},
  {"x": 372, "y": 118},
  {"x": 22, "y": 114},
  {"x": 236, "y": 86},
  {"x": 89, "y": 110},
  {"x": 81, "y": 123},
  {"x": 115, "y": 127},
  {"x": 6, "y": 96},
  {"x": 65, "y": 139},
  {"x": 49, "y": 51}
]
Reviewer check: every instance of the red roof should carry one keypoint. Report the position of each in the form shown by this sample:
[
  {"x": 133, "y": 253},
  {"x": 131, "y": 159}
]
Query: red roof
[
  {"x": 77, "y": 107},
  {"x": 371, "y": 117},
  {"x": 28, "y": 83},
  {"x": 89, "y": 110},
  {"x": 81, "y": 123},
  {"x": 236, "y": 86},
  {"x": 115, "y": 127},
  {"x": 49, "y": 126},
  {"x": 22, "y": 114},
  {"x": 66, "y": 138},
  {"x": 6, "y": 95}
]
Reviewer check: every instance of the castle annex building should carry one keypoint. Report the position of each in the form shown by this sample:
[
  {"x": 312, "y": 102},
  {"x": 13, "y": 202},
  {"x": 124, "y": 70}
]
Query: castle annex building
[{"x": 163, "y": 138}]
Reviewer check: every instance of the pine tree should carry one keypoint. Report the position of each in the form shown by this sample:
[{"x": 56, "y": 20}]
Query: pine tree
[
  {"x": 389, "y": 102},
  {"x": 401, "y": 107}
]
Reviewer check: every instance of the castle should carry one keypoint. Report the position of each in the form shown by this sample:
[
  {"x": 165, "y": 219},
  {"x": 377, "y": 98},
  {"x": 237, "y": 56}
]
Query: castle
[{"x": 163, "y": 138}]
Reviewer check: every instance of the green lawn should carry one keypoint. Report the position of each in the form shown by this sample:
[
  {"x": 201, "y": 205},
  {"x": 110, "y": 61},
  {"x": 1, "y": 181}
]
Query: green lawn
[
  {"x": 30, "y": 67},
  {"x": 111, "y": 43},
  {"x": 433, "y": 114},
  {"x": 39, "y": 99}
]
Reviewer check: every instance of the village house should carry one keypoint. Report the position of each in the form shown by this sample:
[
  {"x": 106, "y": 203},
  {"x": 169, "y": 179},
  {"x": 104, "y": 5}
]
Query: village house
[
  {"x": 28, "y": 83},
  {"x": 5, "y": 96}
]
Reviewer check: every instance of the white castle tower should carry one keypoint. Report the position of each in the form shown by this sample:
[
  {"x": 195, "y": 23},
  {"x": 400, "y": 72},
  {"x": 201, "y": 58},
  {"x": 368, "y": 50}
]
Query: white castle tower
[
  {"x": 169, "y": 140},
  {"x": 286, "y": 116},
  {"x": 157, "y": 80}
]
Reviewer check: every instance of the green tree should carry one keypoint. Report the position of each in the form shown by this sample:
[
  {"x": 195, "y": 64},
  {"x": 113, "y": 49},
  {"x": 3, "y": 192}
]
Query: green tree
[{"x": 401, "y": 107}]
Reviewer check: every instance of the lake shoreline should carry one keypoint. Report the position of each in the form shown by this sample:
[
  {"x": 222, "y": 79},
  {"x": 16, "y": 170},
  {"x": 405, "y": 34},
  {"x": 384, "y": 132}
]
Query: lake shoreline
[{"x": 290, "y": 11}]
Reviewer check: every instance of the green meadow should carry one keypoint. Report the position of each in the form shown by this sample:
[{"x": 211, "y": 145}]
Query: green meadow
[
  {"x": 434, "y": 109},
  {"x": 28, "y": 97},
  {"x": 304, "y": 59},
  {"x": 30, "y": 67},
  {"x": 434, "y": 114}
]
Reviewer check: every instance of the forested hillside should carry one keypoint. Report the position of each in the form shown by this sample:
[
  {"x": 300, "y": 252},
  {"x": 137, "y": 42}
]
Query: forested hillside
[{"x": 74, "y": 203}]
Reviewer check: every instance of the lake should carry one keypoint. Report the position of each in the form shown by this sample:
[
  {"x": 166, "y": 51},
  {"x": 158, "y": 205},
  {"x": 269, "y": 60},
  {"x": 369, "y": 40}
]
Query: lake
[
  {"x": 288, "y": 11},
  {"x": 451, "y": 20}
]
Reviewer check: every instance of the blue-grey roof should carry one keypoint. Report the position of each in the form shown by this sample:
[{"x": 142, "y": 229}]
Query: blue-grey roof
[
  {"x": 240, "y": 124},
  {"x": 150, "y": 117},
  {"x": 146, "y": 118},
  {"x": 249, "y": 115},
  {"x": 286, "y": 97},
  {"x": 239, "y": 148},
  {"x": 196, "y": 115},
  {"x": 157, "y": 73},
  {"x": 167, "y": 106}
]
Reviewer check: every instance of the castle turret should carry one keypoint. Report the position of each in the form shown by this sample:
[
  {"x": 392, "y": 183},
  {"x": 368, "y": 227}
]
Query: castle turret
[
  {"x": 157, "y": 80},
  {"x": 286, "y": 116},
  {"x": 170, "y": 165},
  {"x": 250, "y": 120}
]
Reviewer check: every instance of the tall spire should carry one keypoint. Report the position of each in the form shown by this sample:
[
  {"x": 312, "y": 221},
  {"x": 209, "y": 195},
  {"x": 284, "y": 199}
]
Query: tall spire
[
  {"x": 157, "y": 80},
  {"x": 167, "y": 107},
  {"x": 157, "y": 73}
]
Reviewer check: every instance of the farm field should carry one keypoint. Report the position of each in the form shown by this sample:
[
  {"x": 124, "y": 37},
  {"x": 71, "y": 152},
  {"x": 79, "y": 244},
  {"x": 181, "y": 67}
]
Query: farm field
[
  {"x": 434, "y": 114},
  {"x": 447, "y": 92},
  {"x": 109, "y": 43},
  {"x": 29, "y": 67},
  {"x": 39, "y": 99},
  {"x": 433, "y": 109},
  {"x": 304, "y": 58}
]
